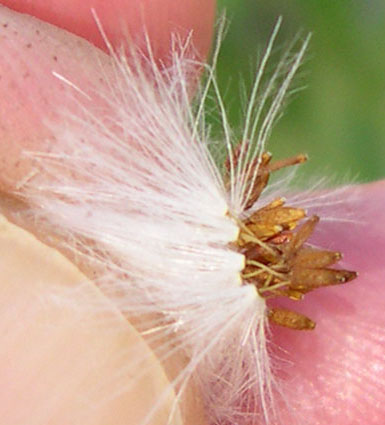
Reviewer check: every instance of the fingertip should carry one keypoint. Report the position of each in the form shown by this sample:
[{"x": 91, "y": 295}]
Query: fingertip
[
  {"x": 120, "y": 18},
  {"x": 31, "y": 96},
  {"x": 336, "y": 372},
  {"x": 32, "y": 49}
]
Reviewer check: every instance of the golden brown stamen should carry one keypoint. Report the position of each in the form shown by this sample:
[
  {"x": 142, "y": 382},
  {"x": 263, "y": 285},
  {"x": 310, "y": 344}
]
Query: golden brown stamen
[
  {"x": 290, "y": 319},
  {"x": 274, "y": 219},
  {"x": 278, "y": 261},
  {"x": 307, "y": 279},
  {"x": 294, "y": 160},
  {"x": 310, "y": 257}
]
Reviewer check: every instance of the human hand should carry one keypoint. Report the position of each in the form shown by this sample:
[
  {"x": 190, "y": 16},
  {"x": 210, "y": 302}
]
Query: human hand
[
  {"x": 337, "y": 371},
  {"x": 67, "y": 364}
]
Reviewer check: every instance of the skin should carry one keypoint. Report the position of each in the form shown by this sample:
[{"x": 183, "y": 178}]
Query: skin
[
  {"x": 58, "y": 365},
  {"x": 336, "y": 372},
  {"x": 59, "y": 357}
]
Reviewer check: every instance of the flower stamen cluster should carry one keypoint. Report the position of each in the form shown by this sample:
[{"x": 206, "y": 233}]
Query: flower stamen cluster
[{"x": 279, "y": 261}]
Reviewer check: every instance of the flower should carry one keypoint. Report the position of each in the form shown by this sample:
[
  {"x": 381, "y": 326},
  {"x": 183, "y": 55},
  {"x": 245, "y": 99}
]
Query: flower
[{"x": 209, "y": 227}]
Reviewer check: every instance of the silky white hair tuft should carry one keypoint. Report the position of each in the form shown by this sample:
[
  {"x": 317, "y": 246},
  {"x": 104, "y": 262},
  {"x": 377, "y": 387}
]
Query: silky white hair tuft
[{"x": 131, "y": 188}]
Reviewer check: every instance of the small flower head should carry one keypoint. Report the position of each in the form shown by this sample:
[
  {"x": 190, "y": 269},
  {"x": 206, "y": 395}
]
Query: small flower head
[
  {"x": 189, "y": 254},
  {"x": 278, "y": 261}
]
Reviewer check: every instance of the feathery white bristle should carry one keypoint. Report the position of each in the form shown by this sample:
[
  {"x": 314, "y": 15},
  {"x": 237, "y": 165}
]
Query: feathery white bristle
[{"x": 134, "y": 177}]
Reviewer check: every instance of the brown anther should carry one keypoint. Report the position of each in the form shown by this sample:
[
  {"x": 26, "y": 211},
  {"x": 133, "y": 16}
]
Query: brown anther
[
  {"x": 263, "y": 168},
  {"x": 256, "y": 171},
  {"x": 314, "y": 258},
  {"x": 283, "y": 163},
  {"x": 265, "y": 231},
  {"x": 284, "y": 216},
  {"x": 258, "y": 253},
  {"x": 300, "y": 237},
  {"x": 273, "y": 219},
  {"x": 258, "y": 187},
  {"x": 239, "y": 156},
  {"x": 288, "y": 293},
  {"x": 258, "y": 177},
  {"x": 305, "y": 279},
  {"x": 278, "y": 261},
  {"x": 290, "y": 319},
  {"x": 279, "y": 202}
]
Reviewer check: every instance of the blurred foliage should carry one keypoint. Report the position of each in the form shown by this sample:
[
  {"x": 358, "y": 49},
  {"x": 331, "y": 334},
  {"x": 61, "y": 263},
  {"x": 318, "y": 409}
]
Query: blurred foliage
[{"x": 338, "y": 119}]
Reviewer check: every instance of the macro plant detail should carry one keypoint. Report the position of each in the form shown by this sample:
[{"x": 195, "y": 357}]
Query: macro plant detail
[
  {"x": 156, "y": 225},
  {"x": 184, "y": 254},
  {"x": 278, "y": 261}
]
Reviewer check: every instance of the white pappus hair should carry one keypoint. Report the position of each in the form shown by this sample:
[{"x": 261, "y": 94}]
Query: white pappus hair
[{"x": 132, "y": 188}]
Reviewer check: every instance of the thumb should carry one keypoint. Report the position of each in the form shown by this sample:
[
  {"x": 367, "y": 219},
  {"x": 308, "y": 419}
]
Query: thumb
[{"x": 63, "y": 363}]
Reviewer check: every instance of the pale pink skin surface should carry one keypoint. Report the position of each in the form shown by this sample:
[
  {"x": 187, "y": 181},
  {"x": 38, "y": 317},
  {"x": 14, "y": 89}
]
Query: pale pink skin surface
[
  {"x": 121, "y": 17},
  {"x": 337, "y": 372},
  {"x": 30, "y": 52}
]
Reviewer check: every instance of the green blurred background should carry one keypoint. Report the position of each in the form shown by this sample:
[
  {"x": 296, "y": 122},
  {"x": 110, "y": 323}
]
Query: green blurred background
[{"x": 338, "y": 119}]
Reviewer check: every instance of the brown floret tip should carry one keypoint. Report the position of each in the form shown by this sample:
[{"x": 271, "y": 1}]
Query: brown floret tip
[{"x": 279, "y": 263}]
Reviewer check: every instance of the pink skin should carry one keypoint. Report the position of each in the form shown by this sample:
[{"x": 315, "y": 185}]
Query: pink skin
[
  {"x": 122, "y": 17},
  {"x": 34, "y": 51},
  {"x": 337, "y": 372}
]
